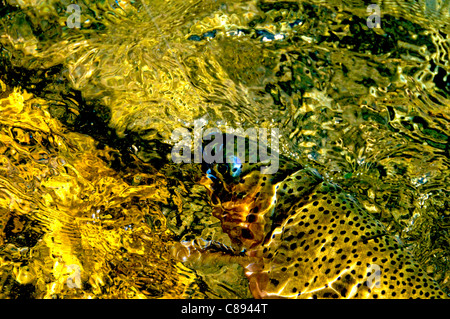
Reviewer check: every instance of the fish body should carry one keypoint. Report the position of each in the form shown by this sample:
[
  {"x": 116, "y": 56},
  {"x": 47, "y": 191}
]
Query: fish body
[{"x": 307, "y": 238}]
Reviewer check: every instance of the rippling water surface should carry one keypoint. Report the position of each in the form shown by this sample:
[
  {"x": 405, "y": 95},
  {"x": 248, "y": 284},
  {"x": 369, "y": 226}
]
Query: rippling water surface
[{"x": 91, "y": 204}]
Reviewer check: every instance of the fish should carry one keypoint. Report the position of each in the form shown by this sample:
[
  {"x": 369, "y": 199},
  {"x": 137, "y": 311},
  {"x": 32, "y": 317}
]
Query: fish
[{"x": 300, "y": 236}]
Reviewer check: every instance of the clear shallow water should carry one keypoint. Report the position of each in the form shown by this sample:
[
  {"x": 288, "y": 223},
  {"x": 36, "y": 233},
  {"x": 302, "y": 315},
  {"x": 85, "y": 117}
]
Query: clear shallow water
[{"x": 86, "y": 177}]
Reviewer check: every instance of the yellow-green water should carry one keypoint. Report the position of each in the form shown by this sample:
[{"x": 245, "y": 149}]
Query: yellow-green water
[{"x": 91, "y": 204}]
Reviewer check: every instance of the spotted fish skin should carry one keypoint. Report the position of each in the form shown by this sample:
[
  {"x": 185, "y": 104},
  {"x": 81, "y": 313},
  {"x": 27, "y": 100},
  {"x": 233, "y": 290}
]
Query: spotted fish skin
[
  {"x": 327, "y": 246},
  {"x": 309, "y": 239}
]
